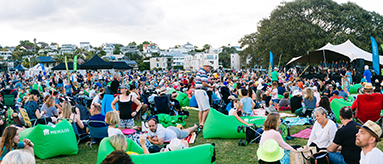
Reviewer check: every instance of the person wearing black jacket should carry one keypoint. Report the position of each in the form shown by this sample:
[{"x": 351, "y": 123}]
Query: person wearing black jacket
[
  {"x": 296, "y": 101},
  {"x": 115, "y": 84}
]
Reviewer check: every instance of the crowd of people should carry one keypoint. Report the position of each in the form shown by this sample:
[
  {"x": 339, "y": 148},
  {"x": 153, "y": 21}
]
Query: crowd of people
[{"x": 52, "y": 97}]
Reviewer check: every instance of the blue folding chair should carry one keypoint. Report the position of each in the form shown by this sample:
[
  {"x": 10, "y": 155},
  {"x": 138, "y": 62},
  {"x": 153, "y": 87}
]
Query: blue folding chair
[{"x": 97, "y": 132}]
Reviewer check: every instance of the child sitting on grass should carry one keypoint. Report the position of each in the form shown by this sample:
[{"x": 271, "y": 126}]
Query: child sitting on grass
[{"x": 284, "y": 104}]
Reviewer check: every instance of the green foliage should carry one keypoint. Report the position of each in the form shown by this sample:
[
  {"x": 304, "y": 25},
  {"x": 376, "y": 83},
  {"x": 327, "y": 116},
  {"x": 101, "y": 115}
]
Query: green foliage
[
  {"x": 25, "y": 43},
  {"x": 224, "y": 59},
  {"x": 145, "y": 42},
  {"x": 116, "y": 51},
  {"x": 102, "y": 53},
  {"x": 206, "y": 47},
  {"x": 17, "y": 55},
  {"x": 30, "y": 62},
  {"x": 3, "y": 49},
  {"x": 43, "y": 44},
  {"x": 179, "y": 67},
  {"x": 132, "y": 43},
  {"x": 144, "y": 66},
  {"x": 294, "y": 28}
]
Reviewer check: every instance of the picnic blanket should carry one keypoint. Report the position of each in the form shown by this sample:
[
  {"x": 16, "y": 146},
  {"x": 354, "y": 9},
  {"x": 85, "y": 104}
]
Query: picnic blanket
[
  {"x": 293, "y": 121},
  {"x": 305, "y": 134},
  {"x": 191, "y": 138},
  {"x": 262, "y": 112}
]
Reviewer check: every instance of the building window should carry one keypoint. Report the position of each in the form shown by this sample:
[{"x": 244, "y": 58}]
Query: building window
[
  {"x": 210, "y": 57},
  {"x": 158, "y": 64}
]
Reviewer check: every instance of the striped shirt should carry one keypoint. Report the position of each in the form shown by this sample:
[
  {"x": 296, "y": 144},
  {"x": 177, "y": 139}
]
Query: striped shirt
[{"x": 201, "y": 77}]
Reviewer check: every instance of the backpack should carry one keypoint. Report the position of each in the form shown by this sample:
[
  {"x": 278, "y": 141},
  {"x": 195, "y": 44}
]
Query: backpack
[{"x": 84, "y": 112}]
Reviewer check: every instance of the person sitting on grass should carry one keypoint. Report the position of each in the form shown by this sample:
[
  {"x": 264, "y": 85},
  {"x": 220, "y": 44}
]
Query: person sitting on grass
[
  {"x": 112, "y": 119},
  {"x": 10, "y": 140},
  {"x": 323, "y": 132},
  {"x": 157, "y": 134},
  {"x": 284, "y": 104},
  {"x": 247, "y": 104},
  {"x": 233, "y": 105}
]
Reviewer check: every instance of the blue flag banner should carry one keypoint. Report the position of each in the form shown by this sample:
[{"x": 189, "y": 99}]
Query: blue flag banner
[
  {"x": 270, "y": 64},
  {"x": 375, "y": 56},
  {"x": 43, "y": 68}
]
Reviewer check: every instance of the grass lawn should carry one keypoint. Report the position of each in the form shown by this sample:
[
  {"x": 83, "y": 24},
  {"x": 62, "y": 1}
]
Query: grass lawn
[{"x": 227, "y": 150}]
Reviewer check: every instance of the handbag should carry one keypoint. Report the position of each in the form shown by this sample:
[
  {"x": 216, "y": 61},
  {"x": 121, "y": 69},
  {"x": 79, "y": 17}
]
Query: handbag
[
  {"x": 302, "y": 155},
  {"x": 320, "y": 158}
]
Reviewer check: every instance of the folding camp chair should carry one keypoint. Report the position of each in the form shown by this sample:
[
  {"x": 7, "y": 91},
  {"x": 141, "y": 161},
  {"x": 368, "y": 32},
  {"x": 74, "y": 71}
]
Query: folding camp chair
[
  {"x": 97, "y": 132},
  {"x": 9, "y": 100},
  {"x": 162, "y": 104},
  {"x": 253, "y": 134},
  {"x": 76, "y": 132},
  {"x": 26, "y": 121},
  {"x": 368, "y": 107}
]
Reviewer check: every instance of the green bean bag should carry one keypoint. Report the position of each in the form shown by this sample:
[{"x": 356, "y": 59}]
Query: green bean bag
[
  {"x": 165, "y": 120},
  {"x": 52, "y": 141},
  {"x": 354, "y": 88},
  {"x": 182, "y": 98},
  {"x": 336, "y": 104},
  {"x": 201, "y": 154},
  {"x": 218, "y": 125}
]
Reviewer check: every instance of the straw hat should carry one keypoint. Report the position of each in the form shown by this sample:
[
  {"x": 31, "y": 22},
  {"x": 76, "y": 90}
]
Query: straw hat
[
  {"x": 270, "y": 151},
  {"x": 373, "y": 129},
  {"x": 175, "y": 144},
  {"x": 368, "y": 86}
]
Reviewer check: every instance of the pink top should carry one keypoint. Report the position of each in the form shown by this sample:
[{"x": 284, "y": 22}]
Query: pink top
[{"x": 273, "y": 134}]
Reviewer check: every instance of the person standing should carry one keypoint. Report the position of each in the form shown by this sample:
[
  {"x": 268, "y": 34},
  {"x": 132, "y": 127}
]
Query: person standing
[
  {"x": 201, "y": 96},
  {"x": 367, "y": 74},
  {"x": 368, "y": 136},
  {"x": 274, "y": 74}
]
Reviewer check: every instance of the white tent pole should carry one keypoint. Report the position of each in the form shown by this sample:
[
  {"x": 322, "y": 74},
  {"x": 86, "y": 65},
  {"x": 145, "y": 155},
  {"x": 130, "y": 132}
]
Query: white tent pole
[{"x": 324, "y": 56}]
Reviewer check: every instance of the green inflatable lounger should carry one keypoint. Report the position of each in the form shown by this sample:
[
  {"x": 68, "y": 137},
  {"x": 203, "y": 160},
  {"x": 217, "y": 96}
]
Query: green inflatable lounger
[
  {"x": 52, "y": 141},
  {"x": 218, "y": 125},
  {"x": 201, "y": 154},
  {"x": 354, "y": 88},
  {"x": 336, "y": 104}
]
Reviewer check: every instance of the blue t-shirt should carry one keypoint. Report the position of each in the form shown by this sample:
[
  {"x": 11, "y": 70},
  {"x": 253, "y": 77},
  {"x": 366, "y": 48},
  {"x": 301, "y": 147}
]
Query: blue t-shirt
[
  {"x": 247, "y": 104},
  {"x": 68, "y": 88},
  {"x": 368, "y": 75},
  {"x": 31, "y": 107},
  {"x": 281, "y": 90},
  {"x": 19, "y": 146}
]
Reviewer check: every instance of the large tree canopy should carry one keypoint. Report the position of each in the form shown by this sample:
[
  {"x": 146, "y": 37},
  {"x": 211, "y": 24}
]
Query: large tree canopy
[{"x": 294, "y": 28}]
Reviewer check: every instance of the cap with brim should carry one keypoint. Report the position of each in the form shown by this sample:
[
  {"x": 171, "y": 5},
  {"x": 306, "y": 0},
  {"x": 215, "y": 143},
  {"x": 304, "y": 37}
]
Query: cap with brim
[
  {"x": 208, "y": 64},
  {"x": 270, "y": 151},
  {"x": 364, "y": 80},
  {"x": 124, "y": 86},
  {"x": 373, "y": 129}
]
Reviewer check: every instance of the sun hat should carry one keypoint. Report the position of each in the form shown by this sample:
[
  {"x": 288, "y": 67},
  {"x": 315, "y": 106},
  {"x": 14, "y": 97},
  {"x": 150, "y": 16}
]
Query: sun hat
[
  {"x": 270, "y": 151},
  {"x": 259, "y": 87},
  {"x": 368, "y": 86},
  {"x": 373, "y": 129},
  {"x": 296, "y": 92},
  {"x": 208, "y": 64},
  {"x": 175, "y": 144}
]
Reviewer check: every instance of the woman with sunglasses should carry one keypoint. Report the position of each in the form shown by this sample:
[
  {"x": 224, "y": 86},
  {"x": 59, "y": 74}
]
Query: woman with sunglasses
[{"x": 125, "y": 101}]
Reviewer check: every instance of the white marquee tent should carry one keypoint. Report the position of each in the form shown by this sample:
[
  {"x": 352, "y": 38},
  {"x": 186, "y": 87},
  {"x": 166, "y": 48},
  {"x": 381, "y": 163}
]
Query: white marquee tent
[{"x": 346, "y": 51}]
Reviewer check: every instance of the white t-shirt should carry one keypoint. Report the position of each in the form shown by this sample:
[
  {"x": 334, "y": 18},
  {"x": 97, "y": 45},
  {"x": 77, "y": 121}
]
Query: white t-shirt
[
  {"x": 323, "y": 137},
  {"x": 92, "y": 93},
  {"x": 161, "y": 132},
  {"x": 114, "y": 131},
  {"x": 275, "y": 96},
  {"x": 375, "y": 156}
]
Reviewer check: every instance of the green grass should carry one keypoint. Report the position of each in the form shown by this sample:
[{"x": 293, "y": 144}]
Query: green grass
[{"x": 227, "y": 150}]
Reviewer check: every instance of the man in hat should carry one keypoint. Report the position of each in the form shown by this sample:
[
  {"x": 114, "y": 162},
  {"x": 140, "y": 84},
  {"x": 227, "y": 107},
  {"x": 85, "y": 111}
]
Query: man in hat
[
  {"x": 368, "y": 88},
  {"x": 201, "y": 96},
  {"x": 344, "y": 140},
  {"x": 274, "y": 74},
  {"x": 368, "y": 136}
]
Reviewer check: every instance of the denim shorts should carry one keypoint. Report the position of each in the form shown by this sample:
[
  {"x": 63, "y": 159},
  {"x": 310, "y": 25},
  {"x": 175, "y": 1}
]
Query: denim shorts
[
  {"x": 126, "y": 123},
  {"x": 275, "y": 101}
]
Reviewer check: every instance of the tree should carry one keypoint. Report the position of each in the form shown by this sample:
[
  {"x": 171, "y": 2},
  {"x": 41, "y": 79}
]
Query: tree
[
  {"x": 206, "y": 47},
  {"x": 25, "y": 43},
  {"x": 144, "y": 66},
  {"x": 132, "y": 43},
  {"x": 294, "y": 28},
  {"x": 102, "y": 53},
  {"x": 145, "y": 42},
  {"x": 116, "y": 51},
  {"x": 177, "y": 46},
  {"x": 224, "y": 59},
  {"x": 155, "y": 54},
  {"x": 17, "y": 55}
]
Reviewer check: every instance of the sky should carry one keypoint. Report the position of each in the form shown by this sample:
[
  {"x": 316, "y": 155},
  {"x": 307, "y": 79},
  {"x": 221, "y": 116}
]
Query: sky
[{"x": 165, "y": 22}]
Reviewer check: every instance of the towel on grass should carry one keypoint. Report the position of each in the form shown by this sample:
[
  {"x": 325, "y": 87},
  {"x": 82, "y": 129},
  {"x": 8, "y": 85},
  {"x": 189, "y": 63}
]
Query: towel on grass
[
  {"x": 293, "y": 121},
  {"x": 191, "y": 138},
  {"x": 305, "y": 134}
]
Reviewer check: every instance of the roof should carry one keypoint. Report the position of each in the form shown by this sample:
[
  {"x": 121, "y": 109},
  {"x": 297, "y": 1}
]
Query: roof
[
  {"x": 96, "y": 63},
  {"x": 346, "y": 50},
  {"x": 45, "y": 59},
  {"x": 121, "y": 65},
  {"x": 173, "y": 53}
]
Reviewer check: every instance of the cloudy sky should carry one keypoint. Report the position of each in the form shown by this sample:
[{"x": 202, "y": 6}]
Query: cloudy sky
[{"x": 165, "y": 22}]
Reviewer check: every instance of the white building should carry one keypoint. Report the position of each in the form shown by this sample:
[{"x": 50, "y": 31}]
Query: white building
[
  {"x": 85, "y": 45},
  {"x": 235, "y": 62},
  {"x": 6, "y": 55},
  {"x": 150, "y": 48},
  {"x": 178, "y": 57},
  {"x": 114, "y": 57},
  {"x": 67, "y": 48},
  {"x": 164, "y": 62},
  {"x": 195, "y": 62},
  {"x": 130, "y": 49}
]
